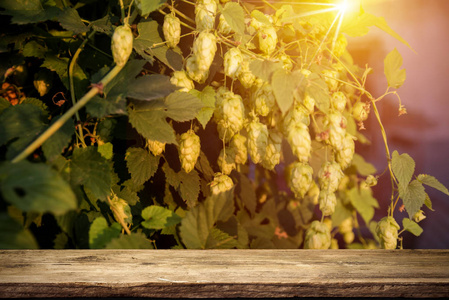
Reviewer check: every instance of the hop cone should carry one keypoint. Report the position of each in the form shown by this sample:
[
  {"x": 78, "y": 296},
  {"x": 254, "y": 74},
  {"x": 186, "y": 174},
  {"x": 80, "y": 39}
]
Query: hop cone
[
  {"x": 223, "y": 26},
  {"x": 273, "y": 152},
  {"x": 300, "y": 179},
  {"x": 226, "y": 164},
  {"x": 194, "y": 72},
  {"x": 180, "y": 79},
  {"x": 327, "y": 201},
  {"x": 338, "y": 101},
  {"x": 267, "y": 39},
  {"x": 387, "y": 231},
  {"x": 220, "y": 184},
  {"x": 238, "y": 143},
  {"x": 318, "y": 236},
  {"x": 336, "y": 124},
  {"x": 296, "y": 115},
  {"x": 189, "y": 150},
  {"x": 232, "y": 112},
  {"x": 330, "y": 77},
  {"x": 204, "y": 48},
  {"x": 121, "y": 210},
  {"x": 346, "y": 153},
  {"x": 232, "y": 62},
  {"x": 122, "y": 44},
  {"x": 329, "y": 177},
  {"x": 299, "y": 139},
  {"x": 171, "y": 30},
  {"x": 205, "y": 11},
  {"x": 264, "y": 99},
  {"x": 156, "y": 147},
  {"x": 245, "y": 76},
  {"x": 340, "y": 45},
  {"x": 257, "y": 140}
]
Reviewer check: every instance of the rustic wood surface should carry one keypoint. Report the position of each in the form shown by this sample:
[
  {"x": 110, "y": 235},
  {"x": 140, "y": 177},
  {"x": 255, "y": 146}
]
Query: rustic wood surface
[{"x": 224, "y": 273}]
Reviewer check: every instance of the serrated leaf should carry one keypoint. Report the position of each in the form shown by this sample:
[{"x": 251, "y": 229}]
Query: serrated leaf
[
  {"x": 413, "y": 197},
  {"x": 382, "y": 24},
  {"x": 264, "y": 68},
  {"x": 155, "y": 86},
  {"x": 136, "y": 240},
  {"x": 363, "y": 202},
  {"x": 106, "y": 150},
  {"x": 34, "y": 187},
  {"x": 189, "y": 187},
  {"x": 20, "y": 124},
  {"x": 103, "y": 25},
  {"x": 218, "y": 239},
  {"x": 27, "y": 11},
  {"x": 38, "y": 103},
  {"x": 148, "y": 6},
  {"x": 158, "y": 217},
  {"x": 284, "y": 83},
  {"x": 149, "y": 44},
  {"x": 412, "y": 226},
  {"x": 392, "y": 69},
  {"x": 261, "y": 17},
  {"x": 56, "y": 64},
  {"x": 220, "y": 207},
  {"x": 318, "y": 90},
  {"x": 99, "y": 107},
  {"x": 432, "y": 182},
  {"x": 235, "y": 17},
  {"x": 246, "y": 193},
  {"x": 90, "y": 169},
  {"x": 101, "y": 234},
  {"x": 14, "y": 236},
  {"x": 363, "y": 168},
  {"x": 182, "y": 106},
  {"x": 141, "y": 164},
  {"x": 35, "y": 49},
  {"x": 4, "y": 104},
  {"x": 203, "y": 165},
  {"x": 71, "y": 20},
  {"x": 59, "y": 140},
  {"x": 207, "y": 97},
  {"x": 428, "y": 202},
  {"x": 403, "y": 168},
  {"x": 149, "y": 119},
  {"x": 127, "y": 194}
]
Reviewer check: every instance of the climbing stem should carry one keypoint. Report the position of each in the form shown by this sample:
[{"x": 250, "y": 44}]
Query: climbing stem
[{"x": 60, "y": 122}]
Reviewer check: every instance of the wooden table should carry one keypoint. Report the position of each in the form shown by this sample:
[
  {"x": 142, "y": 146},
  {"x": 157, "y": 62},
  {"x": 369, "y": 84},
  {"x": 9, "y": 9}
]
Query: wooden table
[{"x": 224, "y": 273}]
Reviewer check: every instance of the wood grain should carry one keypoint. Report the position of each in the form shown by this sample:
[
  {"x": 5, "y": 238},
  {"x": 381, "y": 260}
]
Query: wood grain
[{"x": 224, "y": 273}]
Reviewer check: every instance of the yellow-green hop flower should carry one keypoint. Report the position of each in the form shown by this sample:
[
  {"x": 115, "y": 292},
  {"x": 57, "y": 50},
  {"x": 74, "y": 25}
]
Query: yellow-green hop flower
[
  {"x": 121, "y": 210},
  {"x": 330, "y": 77},
  {"x": 419, "y": 216},
  {"x": 257, "y": 140},
  {"x": 245, "y": 76},
  {"x": 267, "y": 39},
  {"x": 318, "y": 236},
  {"x": 172, "y": 30},
  {"x": 230, "y": 113},
  {"x": 223, "y": 26},
  {"x": 340, "y": 45},
  {"x": 181, "y": 80},
  {"x": 238, "y": 143},
  {"x": 346, "y": 153},
  {"x": 193, "y": 70},
  {"x": 387, "y": 231},
  {"x": 205, "y": 11},
  {"x": 122, "y": 44},
  {"x": 295, "y": 115},
  {"x": 263, "y": 98},
  {"x": 300, "y": 179},
  {"x": 327, "y": 201},
  {"x": 226, "y": 161},
  {"x": 330, "y": 176},
  {"x": 220, "y": 184},
  {"x": 273, "y": 152},
  {"x": 232, "y": 61},
  {"x": 338, "y": 101},
  {"x": 189, "y": 150},
  {"x": 300, "y": 142},
  {"x": 156, "y": 147},
  {"x": 204, "y": 48}
]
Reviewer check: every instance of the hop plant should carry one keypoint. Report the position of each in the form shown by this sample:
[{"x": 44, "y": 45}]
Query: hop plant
[
  {"x": 330, "y": 77},
  {"x": 419, "y": 216},
  {"x": 205, "y": 11},
  {"x": 297, "y": 114},
  {"x": 287, "y": 63},
  {"x": 232, "y": 61},
  {"x": 156, "y": 147},
  {"x": 204, "y": 48},
  {"x": 327, "y": 201},
  {"x": 318, "y": 236},
  {"x": 189, "y": 150},
  {"x": 360, "y": 111},
  {"x": 387, "y": 231},
  {"x": 336, "y": 124},
  {"x": 220, "y": 184},
  {"x": 238, "y": 144},
  {"x": 346, "y": 229},
  {"x": 43, "y": 81},
  {"x": 309, "y": 103},
  {"x": 226, "y": 161},
  {"x": 369, "y": 182},
  {"x": 121, "y": 210},
  {"x": 300, "y": 178},
  {"x": 257, "y": 140},
  {"x": 194, "y": 72},
  {"x": 223, "y": 26},
  {"x": 181, "y": 80},
  {"x": 346, "y": 153},
  {"x": 172, "y": 30},
  {"x": 122, "y": 44},
  {"x": 267, "y": 39},
  {"x": 300, "y": 142},
  {"x": 263, "y": 98},
  {"x": 245, "y": 76},
  {"x": 340, "y": 45},
  {"x": 329, "y": 176},
  {"x": 338, "y": 101},
  {"x": 230, "y": 113},
  {"x": 273, "y": 152}
]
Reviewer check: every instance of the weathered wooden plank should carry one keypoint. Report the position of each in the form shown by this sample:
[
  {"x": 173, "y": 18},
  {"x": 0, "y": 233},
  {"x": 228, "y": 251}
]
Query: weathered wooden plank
[{"x": 224, "y": 273}]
